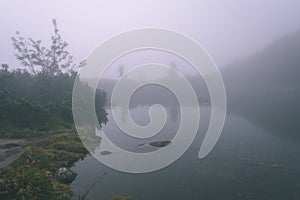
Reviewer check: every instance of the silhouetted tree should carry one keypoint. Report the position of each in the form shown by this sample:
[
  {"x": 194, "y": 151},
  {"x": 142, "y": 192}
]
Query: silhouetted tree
[
  {"x": 39, "y": 97},
  {"x": 37, "y": 58}
]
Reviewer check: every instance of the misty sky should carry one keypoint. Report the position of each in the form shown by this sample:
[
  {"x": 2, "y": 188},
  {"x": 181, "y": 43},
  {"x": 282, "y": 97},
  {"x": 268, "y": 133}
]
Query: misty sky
[{"x": 229, "y": 29}]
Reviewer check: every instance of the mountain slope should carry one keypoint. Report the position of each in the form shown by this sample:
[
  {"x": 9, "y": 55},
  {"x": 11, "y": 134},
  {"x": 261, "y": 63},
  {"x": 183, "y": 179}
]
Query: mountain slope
[{"x": 265, "y": 88}]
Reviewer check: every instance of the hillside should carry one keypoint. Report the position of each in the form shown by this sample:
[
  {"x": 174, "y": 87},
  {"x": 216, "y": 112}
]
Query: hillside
[{"x": 265, "y": 88}]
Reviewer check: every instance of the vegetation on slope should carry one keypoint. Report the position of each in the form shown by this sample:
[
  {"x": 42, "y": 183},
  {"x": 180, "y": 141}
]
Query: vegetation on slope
[
  {"x": 31, "y": 176},
  {"x": 36, "y": 103}
]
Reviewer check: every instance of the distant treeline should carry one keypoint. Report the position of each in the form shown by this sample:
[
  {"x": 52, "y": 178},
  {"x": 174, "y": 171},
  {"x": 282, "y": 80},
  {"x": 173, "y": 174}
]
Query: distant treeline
[{"x": 33, "y": 104}]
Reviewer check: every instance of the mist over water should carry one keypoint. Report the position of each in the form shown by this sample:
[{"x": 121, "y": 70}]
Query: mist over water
[
  {"x": 265, "y": 87},
  {"x": 256, "y": 156},
  {"x": 256, "y": 47},
  {"x": 247, "y": 163}
]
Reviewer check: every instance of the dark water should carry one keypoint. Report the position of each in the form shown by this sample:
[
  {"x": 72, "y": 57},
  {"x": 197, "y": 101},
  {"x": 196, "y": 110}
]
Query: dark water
[{"x": 247, "y": 163}]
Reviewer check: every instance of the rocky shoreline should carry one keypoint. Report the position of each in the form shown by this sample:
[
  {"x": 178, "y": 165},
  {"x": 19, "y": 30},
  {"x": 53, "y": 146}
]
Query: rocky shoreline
[{"x": 10, "y": 150}]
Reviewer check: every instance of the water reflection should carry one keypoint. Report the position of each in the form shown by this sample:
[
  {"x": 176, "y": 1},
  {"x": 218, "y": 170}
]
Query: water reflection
[
  {"x": 247, "y": 163},
  {"x": 140, "y": 116}
]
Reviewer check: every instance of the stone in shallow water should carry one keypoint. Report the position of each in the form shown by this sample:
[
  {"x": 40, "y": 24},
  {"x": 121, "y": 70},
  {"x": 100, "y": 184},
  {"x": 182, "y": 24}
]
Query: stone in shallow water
[
  {"x": 121, "y": 198},
  {"x": 159, "y": 143},
  {"x": 142, "y": 144},
  {"x": 104, "y": 153},
  {"x": 65, "y": 175}
]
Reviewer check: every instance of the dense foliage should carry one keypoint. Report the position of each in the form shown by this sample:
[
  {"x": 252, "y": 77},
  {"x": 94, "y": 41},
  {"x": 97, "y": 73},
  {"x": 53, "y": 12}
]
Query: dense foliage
[
  {"x": 37, "y": 101},
  {"x": 33, "y": 104},
  {"x": 38, "y": 98}
]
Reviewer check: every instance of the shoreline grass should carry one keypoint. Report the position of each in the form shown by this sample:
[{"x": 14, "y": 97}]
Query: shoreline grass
[{"x": 31, "y": 176}]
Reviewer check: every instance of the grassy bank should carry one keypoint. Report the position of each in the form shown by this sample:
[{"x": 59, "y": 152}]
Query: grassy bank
[{"x": 31, "y": 176}]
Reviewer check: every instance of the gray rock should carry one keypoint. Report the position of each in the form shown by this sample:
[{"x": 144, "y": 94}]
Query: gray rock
[
  {"x": 160, "y": 143},
  {"x": 65, "y": 175},
  {"x": 104, "y": 153}
]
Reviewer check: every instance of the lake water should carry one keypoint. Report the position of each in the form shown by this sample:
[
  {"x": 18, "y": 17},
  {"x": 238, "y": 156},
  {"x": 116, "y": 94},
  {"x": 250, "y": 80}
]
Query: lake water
[{"x": 247, "y": 163}]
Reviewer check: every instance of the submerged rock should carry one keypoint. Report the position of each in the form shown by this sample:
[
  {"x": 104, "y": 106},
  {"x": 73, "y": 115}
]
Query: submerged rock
[
  {"x": 142, "y": 144},
  {"x": 65, "y": 175},
  {"x": 121, "y": 198},
  {"x": 159, "y": 143},
  {"x": 104, "y": 153}
]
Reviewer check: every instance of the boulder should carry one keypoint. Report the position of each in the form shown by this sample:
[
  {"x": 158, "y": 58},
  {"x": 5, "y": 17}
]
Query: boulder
[{"x": 65, "y": 175}]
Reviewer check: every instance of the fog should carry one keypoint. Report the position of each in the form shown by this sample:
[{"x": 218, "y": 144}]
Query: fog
[
  {"x": 255, "y": 45},
  {"x": 265, "y": 87},
  {"x": 229, "y": 30}
]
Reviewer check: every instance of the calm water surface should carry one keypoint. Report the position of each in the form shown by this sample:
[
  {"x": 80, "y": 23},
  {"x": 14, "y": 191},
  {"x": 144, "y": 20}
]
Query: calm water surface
[{"x": 247, "y": 163}]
